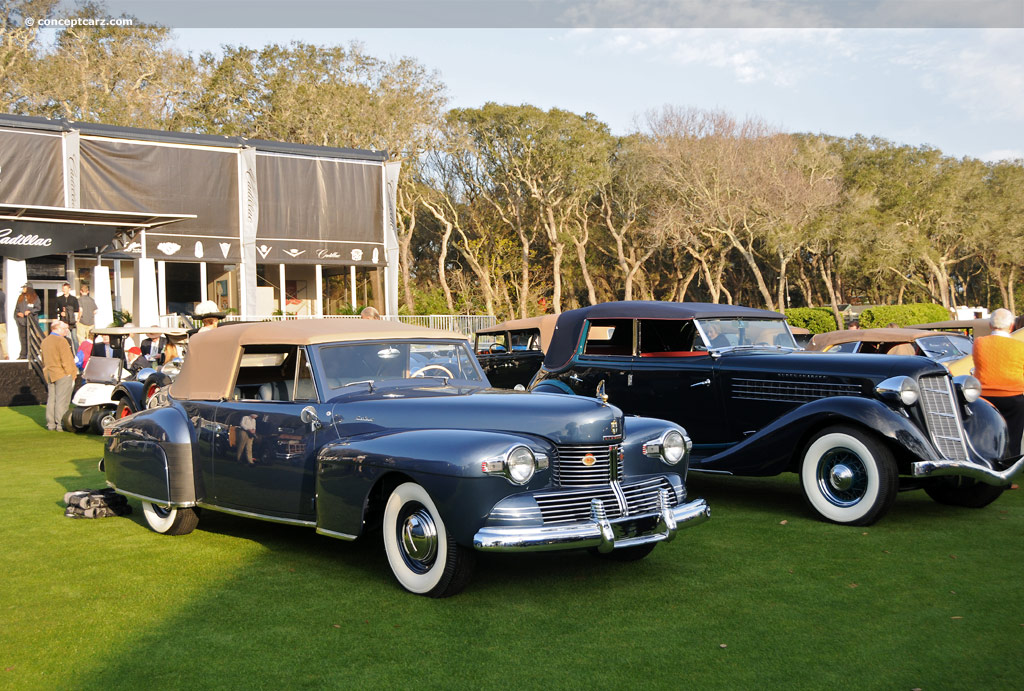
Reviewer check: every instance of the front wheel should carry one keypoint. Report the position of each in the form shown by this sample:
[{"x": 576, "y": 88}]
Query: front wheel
[
  {"x": 102, "y": 418},
  {"x": 123, "y": 409},
  {"x": 962, "y": 491},
  {"x": 167, "y": 521},
  {"x": 848, "y": 476},
  {"x": 422, "y": 554}
]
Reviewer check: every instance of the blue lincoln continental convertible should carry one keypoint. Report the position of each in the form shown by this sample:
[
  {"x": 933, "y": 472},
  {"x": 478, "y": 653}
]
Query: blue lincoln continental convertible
[{"x": 352, "y": 426}]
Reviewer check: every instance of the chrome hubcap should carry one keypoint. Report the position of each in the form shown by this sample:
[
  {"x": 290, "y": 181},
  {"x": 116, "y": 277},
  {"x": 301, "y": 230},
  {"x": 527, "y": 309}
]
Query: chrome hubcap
[
  {"x": 842, "y": 477},
  {"x": 418, "y": 539}
]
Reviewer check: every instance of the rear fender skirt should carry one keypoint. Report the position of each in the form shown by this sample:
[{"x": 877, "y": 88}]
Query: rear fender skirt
[
  {"x": 772, "y": 450},
  {"x": 447, "y": 463}
]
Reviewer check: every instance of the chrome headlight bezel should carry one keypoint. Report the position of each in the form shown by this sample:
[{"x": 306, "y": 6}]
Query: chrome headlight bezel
[
  {"x": 968, "y": 386},
  {"x": 900, "y": 389},
  {"x": 672, "y": 447},
  {"x": 518, "y": 464}
]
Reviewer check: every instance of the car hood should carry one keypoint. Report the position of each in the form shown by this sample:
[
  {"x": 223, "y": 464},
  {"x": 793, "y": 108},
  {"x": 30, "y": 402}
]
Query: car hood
[
  {"x": 561, "y": 419},
  {"x": 843, "y": 365}
]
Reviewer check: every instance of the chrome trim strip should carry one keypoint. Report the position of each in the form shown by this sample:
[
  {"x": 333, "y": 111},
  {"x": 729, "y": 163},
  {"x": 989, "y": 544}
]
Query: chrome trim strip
[
  {"x": 260, "y": 516},
  {"x": 974, "y": 471},
  {"x": 591, "y": 533},
  {"x": 153, "y": 500},
  {"x": 334, "y": 533}
]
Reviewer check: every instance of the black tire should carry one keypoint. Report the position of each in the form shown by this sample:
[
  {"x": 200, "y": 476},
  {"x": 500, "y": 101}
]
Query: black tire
[
  {"x": 625, "y": 554},
  {"x": 77, "y": 419},
  {"x": 102, "y": 418},
  {"x": 170, "y": 521},
  {"x": 124, "y": 409},
  {"x": 66, "y": 423},
  {"x": 962, "y": 491},
  {"x": 153, "y": 384},
  {"x": 848, "y": 476},
  {"x": 423, "y": 555}
]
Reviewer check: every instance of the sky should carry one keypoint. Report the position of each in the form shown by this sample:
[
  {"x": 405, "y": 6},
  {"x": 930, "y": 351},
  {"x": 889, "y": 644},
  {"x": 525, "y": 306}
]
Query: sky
[{"x": 960, "y": 90}]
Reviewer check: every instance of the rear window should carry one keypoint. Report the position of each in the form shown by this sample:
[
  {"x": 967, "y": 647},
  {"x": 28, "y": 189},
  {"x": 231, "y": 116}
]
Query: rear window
[{"x": 609, "y": 337}]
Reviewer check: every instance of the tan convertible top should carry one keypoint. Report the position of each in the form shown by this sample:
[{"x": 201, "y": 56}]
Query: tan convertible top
[
  {"x": 823, "y": 340},
  {"x": 213, "y": 356},
  {"x": 545, "y": 323}
]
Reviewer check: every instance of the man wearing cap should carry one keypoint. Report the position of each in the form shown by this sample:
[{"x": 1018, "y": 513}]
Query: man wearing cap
[
  {"x": 133, "y": 358},
  {"x": 59, "y": 371}
]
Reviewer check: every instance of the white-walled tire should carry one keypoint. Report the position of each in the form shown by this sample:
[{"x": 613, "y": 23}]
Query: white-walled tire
[
  {"x": 422, "y": 554},
  {"x": 170, "y": 521},
  {"x": 848, "y": 476}
]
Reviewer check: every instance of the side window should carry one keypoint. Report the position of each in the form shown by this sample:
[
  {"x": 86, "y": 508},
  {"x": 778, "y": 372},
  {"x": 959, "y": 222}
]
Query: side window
[
  {"x": 609, "y": 337},
  {"x": 266, "y": 373},
  {"x": 305, "y": 389},
  {"x": 525, "y": 340},
  {"x": 844, "y": 347},
  {"x": 666, "y": 336}
]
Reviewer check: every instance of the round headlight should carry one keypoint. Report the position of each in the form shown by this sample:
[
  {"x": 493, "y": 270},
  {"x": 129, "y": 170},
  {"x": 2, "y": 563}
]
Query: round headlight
[
  {"x": 901, "y": 388},
  {"x": 520, "y": 465},
  {"x": 969, "y": 386},
  {"x": 673, "y": 448}
]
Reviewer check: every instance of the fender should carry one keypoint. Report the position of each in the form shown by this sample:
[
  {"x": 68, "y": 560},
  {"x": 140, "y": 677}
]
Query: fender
[
  {"x": 771, "y": 450},
  {"x": 133, "y": 392},
  {"x": 553, "y": 386},
  {"x": 640, "y": 430},
  {"x": 348, "y": 470},
  {"x": 149, "y": 457},
  {"x": 987, "y": 436}
]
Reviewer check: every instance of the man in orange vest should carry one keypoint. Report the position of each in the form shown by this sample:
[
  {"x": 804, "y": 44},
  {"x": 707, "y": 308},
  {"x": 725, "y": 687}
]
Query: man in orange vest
[{"x": 999, "y": 366}]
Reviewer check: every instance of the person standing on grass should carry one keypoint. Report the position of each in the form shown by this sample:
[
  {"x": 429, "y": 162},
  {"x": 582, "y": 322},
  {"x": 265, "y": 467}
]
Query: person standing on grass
[
  {"x": 999, "y": 366},
  {"x": 3, "y": 325},
  {"x": 26, "y": 312},
  {"x": 60, "y": 372},
  {"x": 87, "y": 313}
]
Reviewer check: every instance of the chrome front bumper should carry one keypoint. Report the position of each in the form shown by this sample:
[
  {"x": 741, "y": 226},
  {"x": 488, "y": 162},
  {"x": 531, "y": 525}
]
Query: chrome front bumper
[
  {"x": 600, "y": 531},
  {"x": 974, "y": 471}
]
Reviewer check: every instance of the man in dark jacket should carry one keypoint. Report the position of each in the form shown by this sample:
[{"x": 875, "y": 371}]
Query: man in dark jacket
[
  {"x": 67, "y": 311},
  {"x": 3, "y": 325}
]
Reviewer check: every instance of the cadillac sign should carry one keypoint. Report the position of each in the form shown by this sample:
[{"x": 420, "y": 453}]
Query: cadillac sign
[{"x": 27, "y": 239}]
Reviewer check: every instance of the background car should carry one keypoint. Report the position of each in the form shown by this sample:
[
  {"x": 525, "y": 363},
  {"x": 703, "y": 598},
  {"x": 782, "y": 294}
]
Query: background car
[
  {"x": 353, "y": 426},
  {"x": 944, "y": 348},
  {"x": 511, "y": 352},
  {"x": 856, "y": 428}
]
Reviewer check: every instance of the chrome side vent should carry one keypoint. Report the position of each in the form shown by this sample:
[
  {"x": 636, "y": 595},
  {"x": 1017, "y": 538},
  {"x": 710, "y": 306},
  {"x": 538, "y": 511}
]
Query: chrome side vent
[{"x": 785, "y": 391}]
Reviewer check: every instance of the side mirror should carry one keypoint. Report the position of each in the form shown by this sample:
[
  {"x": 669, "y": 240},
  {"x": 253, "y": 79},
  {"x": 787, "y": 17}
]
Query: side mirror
[
  {"x": 309, "y": 417},
  {"x": 601, "y": 393}
]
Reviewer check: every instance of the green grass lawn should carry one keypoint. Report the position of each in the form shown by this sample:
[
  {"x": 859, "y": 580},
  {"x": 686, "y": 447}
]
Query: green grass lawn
[{"x": 762, "y": 596}]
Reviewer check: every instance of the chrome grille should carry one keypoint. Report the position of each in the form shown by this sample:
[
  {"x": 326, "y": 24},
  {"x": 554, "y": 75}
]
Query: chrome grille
[
  {"x": 569, "y": 469},
  {"x": 574, "y": 505},
  {"x": 789, "y": 391},
  {"x": 938, "y": 401}
]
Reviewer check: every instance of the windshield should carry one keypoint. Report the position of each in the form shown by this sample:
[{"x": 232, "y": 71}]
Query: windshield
[
  {"x": 345, "y": 365},
  {"x": 941, "y": 348},
  {"x": 726, "y": 333}
]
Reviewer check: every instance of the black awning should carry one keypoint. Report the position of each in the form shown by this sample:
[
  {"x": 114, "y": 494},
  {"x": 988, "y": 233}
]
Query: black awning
[{"x": 35, "y": 231}]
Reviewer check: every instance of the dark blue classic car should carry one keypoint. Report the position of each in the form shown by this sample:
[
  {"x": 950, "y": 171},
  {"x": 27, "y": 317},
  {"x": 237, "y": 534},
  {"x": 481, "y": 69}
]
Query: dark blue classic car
[
  {"x": 857, "y": 428},
  {"x": 350, "y": 426}
]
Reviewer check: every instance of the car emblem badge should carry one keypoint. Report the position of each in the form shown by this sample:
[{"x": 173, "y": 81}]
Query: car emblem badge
[
  {"x": 589, "y": 460},
  {"x": 615, "y": 426}
]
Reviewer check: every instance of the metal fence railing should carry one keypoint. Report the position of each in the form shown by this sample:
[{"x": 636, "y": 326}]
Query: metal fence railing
[{"x": 466, "y": 324}]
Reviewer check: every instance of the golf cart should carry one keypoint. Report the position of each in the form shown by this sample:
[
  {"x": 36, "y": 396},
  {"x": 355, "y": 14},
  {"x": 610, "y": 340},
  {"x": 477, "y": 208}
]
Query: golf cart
[{"x": 111, "y": 390}]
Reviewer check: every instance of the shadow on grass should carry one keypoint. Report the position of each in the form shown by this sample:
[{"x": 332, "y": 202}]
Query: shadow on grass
[
  {"x": 35, "y": 413},
  {"x": 88, "y": 476}
]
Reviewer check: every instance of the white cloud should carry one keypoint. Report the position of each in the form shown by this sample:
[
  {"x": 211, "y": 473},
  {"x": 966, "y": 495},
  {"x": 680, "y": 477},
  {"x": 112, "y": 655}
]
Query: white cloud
[{"x": 1003, "y": 155}]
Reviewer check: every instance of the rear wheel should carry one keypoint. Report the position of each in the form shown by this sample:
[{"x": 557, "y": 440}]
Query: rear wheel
[
  {"x": 421, "y": 552},
  {"x": 168, "y": 521},
  {"x": 848, "y": 476},
  {"x": 962, "y": 491}
]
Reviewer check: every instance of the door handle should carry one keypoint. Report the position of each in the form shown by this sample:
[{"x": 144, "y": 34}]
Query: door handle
[
  {"x": 575, "y": 378},
  {"x": 706, "y": 382}
]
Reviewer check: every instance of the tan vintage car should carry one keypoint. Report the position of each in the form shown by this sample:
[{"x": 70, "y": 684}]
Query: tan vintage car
[
  {"x": 944, "y": 348},
  {"x": 976, "y": 327}
]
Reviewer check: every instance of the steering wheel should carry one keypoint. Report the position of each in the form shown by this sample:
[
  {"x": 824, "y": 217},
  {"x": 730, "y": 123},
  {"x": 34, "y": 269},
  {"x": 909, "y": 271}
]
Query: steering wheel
[
  {"x": 496, "y": 348},
  {"x": 421, "y": 370}
]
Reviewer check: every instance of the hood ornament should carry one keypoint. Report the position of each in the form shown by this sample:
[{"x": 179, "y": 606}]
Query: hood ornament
[{"x": 601, "y": 392}]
